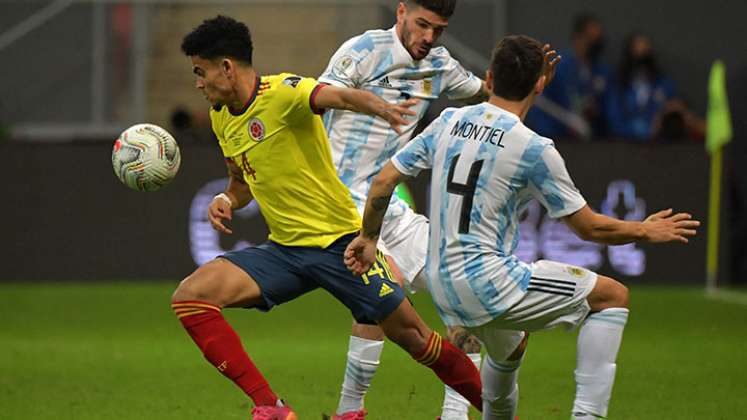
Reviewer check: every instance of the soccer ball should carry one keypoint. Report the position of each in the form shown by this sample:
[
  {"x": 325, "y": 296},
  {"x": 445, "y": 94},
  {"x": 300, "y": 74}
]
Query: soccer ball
[{"x": 145, "y": 157}]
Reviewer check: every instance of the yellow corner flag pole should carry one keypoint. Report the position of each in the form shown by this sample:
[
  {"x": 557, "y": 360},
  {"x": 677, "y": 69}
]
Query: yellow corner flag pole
[{"x": 718, "y": 133}]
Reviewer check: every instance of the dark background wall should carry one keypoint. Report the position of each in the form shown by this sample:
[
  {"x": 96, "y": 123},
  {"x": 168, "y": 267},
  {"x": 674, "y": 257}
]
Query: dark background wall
[
  {"x": 65, "y": 216},
  {"x": 49, "y": 78}
]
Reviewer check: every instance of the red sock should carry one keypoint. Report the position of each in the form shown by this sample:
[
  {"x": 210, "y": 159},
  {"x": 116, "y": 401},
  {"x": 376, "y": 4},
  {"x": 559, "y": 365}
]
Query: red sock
[
  {"x": 453, "y": 367},
  {"x": 222, "y": 348}
]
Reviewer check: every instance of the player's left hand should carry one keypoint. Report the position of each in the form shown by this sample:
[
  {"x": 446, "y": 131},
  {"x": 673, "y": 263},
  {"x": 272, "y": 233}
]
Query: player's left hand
[
  {"x": 395, "y": 113},
  {"x": 552, "y": 58},
  {"x": 667, "y": 226},
  {"x": 360, "y": 255}
]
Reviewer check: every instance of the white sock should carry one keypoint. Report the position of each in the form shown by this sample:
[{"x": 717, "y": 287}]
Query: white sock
[
  {"x": 363, "y": 359},
  {"x": 500, "y": 388},
  {"x": 596, "y": 352},
  {"x": 456, "y": 407}
]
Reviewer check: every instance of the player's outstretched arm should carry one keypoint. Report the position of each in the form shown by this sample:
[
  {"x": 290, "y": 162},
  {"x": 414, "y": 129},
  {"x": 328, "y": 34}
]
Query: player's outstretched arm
[
  {"x": 361, "y": 252},
  {"x": 365, "y": 102},
  {"x": 237, "y": 195},
  {"x": 663, "y": 226}
]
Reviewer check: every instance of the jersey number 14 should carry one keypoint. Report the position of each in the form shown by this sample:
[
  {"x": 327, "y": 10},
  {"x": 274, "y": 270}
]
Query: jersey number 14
[{"x": 467, "y": 191}]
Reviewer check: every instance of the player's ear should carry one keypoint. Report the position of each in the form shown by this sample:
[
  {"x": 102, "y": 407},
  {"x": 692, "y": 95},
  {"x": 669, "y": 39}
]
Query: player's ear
[
  {"x": 226, "y": 67},
  {"x": 401, "y": 11},
  {"x": 489, "y": 81}
]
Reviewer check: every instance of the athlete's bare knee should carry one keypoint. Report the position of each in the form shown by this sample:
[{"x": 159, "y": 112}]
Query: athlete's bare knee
[
  {"x": 369, "y": 332},
  {"x": 195, "y": 288},
  {"x": 519, "y": 352},
  {"x": 608, "y": 293},
  {"x": 462, "y": 339},
  {"x": 220, "y": 283}
]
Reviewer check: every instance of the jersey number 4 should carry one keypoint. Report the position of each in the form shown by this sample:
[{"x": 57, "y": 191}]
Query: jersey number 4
[{"x": 467, "y": 191}]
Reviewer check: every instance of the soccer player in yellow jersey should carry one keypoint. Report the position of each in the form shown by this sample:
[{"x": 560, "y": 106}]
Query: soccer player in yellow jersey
[{"x": 277, "y": 153}]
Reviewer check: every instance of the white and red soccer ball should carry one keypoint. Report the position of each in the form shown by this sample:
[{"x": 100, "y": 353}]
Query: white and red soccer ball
[{"x": 145, "y": 157}]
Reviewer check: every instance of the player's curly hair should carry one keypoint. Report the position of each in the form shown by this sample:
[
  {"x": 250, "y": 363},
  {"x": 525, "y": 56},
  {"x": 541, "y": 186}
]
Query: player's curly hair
[
  {"x": 220, "y": 36},
  {"x": 516, "y": 66},
  {"x": 443, "y": 8}
]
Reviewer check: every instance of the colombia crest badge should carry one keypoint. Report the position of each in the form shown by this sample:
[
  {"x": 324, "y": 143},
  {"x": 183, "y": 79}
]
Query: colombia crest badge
[{"x": 256, "y": 129}]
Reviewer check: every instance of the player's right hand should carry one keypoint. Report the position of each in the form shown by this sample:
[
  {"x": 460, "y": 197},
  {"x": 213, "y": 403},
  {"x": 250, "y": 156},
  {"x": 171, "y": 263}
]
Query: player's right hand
[
  {"x": 664, "y": 226},
  {"x": 551, "y": 58},
  {"x": 395, "y": 114},
  {"x": 218, "y": 211},
  {"x": 360, "y": 255}
]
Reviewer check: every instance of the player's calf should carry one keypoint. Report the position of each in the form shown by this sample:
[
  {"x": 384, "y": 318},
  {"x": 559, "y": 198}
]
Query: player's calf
[
  {"x": 455, "y": 406},
  {"x": 499, "y": 373},
  {"x": 198, "y": 302},
  {"x": 405, "y": 327},
  {"x": 598, "y": 344}
]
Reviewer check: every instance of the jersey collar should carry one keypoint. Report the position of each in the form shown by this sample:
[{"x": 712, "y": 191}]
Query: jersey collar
[
  {"x": 507, "y": 113},
  {"x": 257, "y": 81}
]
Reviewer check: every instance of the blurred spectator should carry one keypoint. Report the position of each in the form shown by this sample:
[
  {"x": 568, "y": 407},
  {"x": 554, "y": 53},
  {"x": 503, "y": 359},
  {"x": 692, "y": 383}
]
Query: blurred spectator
[
  {"x": 676, "y": 122},
  {"x": 641, "y": 104},
  {"x": 580, "y": 86},
  {"x": 640, "y": 93},
  {"x": 186, "y": 128}
]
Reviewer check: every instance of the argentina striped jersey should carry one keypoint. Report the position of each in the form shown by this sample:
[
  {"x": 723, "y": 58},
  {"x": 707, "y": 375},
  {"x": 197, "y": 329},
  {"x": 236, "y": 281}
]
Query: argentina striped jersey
[
  {"x": 377, "y": 61},
  {"x": 487, "y": 165}
]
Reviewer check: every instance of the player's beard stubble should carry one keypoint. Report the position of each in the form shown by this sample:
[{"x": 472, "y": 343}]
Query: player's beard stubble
[{"x": 418, "y": 50}]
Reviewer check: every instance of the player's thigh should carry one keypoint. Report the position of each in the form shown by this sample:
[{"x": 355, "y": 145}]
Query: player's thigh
[
  {"x": 221, "y": 283},
  {"x": 370, "y": 297},
  {"x": 405, "y": 239},
  {"x": 555, "y": 296},
  {"x": 277, "y": 271}
]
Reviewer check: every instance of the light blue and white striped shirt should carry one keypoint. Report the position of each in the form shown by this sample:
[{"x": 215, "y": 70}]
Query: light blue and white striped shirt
[
  {"x": 377, "y": 61},
  {"x": 487, "y": 165}
]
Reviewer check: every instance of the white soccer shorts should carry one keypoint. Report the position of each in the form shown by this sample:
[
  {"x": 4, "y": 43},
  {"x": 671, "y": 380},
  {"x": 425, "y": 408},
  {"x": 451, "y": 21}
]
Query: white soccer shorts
[
  {"x": 556, "y": 296},
  {"x": 405, "y": 239}
]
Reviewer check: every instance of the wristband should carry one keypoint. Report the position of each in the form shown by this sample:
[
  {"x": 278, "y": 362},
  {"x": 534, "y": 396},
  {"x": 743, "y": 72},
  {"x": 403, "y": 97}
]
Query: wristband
[{"x": 224, "y": 197}]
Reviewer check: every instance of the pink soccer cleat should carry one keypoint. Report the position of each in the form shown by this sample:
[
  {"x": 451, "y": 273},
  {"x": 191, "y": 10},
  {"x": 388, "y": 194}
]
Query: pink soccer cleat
[
  {"x": 268, "y": 412},
  {"x": 351, "y": 415},
  {"x": 515, "y": 418}
]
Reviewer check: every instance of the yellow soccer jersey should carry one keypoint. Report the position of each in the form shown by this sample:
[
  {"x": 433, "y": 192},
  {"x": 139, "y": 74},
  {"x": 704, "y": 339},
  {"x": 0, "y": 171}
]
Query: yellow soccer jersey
[{"x": 281, "y": 145}]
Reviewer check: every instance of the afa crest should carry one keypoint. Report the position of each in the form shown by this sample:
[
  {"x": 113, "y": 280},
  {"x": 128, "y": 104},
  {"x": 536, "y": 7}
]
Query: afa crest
[
  {"x": 256, "y": 129},
  {"x": 575, "y": 271},
  {"x": 428, "y": 87}
]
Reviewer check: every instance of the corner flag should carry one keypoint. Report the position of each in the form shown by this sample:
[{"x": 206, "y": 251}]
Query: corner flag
[
  {"x": 718, "y": 122},
  {"x": 718, "y": 133}
]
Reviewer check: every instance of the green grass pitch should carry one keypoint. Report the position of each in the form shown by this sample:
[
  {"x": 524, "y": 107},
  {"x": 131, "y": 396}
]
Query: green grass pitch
[{"x": 115, "y": 351}]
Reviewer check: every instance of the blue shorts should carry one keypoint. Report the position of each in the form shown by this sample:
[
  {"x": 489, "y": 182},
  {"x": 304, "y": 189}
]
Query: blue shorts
[{"x": 284, "y": 273}]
